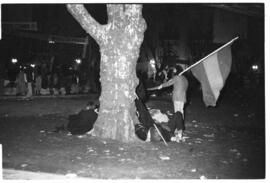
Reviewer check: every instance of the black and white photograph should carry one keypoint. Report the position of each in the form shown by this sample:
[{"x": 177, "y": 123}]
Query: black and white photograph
[{"x": 133, "y": 91}]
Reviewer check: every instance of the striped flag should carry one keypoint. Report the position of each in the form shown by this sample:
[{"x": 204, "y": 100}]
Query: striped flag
[{"x": 212, "y": 74}]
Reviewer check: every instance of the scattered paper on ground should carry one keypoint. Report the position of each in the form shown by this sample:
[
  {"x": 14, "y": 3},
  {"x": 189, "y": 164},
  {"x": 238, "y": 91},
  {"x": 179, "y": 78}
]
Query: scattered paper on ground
[{"x": 164, "y": 157}]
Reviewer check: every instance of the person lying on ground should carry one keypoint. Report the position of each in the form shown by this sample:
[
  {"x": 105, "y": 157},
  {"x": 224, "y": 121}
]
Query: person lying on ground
[
  {"x": 166, "y": 130},
  {"x": 145, "y": 129},
  {"x": 145, "y": 119},
  {"x": 82, "y": 122},
  {"x": 180, "y": 86}
]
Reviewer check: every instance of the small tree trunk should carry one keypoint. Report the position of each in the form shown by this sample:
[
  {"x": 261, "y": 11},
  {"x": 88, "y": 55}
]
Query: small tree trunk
[{"x": 119, "y": 42}]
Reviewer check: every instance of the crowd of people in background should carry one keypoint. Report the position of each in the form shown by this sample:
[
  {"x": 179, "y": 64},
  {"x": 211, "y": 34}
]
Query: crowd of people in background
[{"x": 45, "y": 78}]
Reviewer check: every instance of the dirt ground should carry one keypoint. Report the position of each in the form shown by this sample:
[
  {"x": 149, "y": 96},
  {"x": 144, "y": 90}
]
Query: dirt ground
[{"x": 225, "y": 142}]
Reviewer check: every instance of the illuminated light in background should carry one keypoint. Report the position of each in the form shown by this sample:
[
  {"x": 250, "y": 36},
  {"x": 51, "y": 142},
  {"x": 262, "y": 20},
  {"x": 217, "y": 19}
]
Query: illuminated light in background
[
  {"x": 51, "y": 42},
  {"x": 78, "y": 61},
  {"x": 152, "y": 69},
  {"x": 33, "y": 65},
  {"x": 255, "y": 67},
  {"x": 152, "y": 63},
  {"x": 14, "y": 60}
]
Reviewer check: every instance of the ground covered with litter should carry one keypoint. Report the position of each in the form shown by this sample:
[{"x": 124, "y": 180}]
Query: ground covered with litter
[{"x": 225, "y": 142}]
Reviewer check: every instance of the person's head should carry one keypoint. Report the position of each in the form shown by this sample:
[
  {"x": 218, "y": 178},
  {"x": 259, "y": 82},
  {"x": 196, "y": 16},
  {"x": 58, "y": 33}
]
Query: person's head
[
  {"x": 177, "y": 70},
  {"x": 92, "y": 105},
  {"x": 166, "y": 68}
]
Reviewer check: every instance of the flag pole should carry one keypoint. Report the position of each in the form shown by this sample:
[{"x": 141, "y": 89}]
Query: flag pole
[
  {"x": 193, "y": 65},
  {"x": 160, "y": 134}
]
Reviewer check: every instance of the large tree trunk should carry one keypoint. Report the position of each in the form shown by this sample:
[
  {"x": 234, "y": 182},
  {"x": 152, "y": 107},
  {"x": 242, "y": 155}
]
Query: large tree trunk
[{"x": 119, "y": 42}]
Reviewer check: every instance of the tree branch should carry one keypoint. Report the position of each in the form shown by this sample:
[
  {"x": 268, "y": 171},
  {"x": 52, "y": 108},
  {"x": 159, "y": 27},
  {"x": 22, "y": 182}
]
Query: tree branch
[
  {"x": 114, "y": 11},
  {"x": 88, "y": 23},
  {"x": 133, "y": 9}
]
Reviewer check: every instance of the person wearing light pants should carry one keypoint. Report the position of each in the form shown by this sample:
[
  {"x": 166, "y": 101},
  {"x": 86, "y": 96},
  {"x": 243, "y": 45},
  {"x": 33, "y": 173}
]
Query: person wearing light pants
[{"x": 180, "y": 86}]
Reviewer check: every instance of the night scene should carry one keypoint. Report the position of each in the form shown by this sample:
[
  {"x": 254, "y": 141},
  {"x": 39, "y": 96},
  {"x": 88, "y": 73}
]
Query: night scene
[{"x": 132, "y": 91}]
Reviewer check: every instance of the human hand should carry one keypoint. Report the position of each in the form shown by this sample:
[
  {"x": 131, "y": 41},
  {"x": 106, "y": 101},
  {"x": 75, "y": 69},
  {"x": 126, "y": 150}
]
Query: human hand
[{"x": 155, "y": 88}]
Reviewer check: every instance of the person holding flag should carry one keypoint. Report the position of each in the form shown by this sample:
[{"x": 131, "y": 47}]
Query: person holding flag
[
  {"x": 211, "y": 71},
  {"x": 180, "y": 86}
]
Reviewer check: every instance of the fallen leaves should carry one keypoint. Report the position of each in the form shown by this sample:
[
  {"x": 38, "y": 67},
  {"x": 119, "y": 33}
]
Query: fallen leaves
[
  {"x": 89, "y": 149},
  {"x": 209, "y": 135},
  {"x": 125, "y": 159},
  {"x": 202, "y": 177},
  {"x": 81, "y": 136},
  {"x": 224, "y": 161},
  {"x": 24, "y": 165},
  {"x": 162, "y": 157},
  {"x": 233, "y": 150},
  {"x": 71, "y": 175}
]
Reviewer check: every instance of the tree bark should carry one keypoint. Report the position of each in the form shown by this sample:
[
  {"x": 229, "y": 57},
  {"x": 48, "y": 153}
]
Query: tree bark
[{"x": 119, "y": 40}]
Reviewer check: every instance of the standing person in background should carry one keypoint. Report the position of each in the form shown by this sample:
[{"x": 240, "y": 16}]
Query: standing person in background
[
  {"x": 38, "y": 83},
  {"x": 20, "y": 83},
  {"x": 38, "y": 80},
  {"x": 44, "y": 79},
  {"x": 29, "y": 80},
  {"x": 55, "y": 84},
  {"x": 180, "y": 86},
  {"x": 165, "y": 73}
]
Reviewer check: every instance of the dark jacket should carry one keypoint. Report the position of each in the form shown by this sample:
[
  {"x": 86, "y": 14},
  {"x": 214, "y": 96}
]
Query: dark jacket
[{"x": 82, "y": 122}]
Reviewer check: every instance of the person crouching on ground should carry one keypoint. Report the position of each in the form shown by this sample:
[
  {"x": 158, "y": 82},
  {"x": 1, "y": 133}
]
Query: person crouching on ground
[{"x": 180, "y": 86}]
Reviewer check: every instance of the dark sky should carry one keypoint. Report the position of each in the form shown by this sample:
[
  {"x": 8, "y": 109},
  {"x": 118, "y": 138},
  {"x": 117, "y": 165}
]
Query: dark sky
[
  {"x": 54, "y": 18},
  {"x": 167, "y": 18},
  {"x": 51, "y": 18}
]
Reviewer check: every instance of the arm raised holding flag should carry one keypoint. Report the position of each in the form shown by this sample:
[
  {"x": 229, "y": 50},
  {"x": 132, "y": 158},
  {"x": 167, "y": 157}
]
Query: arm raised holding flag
[
  {"x": 164, "y": 85},
  {"x": 211, "y": 71}
]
